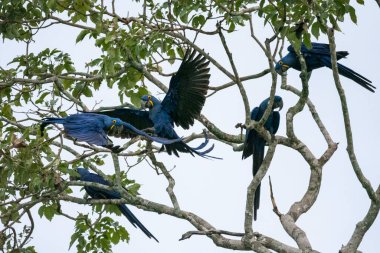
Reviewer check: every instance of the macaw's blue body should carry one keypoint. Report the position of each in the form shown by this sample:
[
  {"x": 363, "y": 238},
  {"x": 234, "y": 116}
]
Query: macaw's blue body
[
  {"x": 181, "y": 105},
  {"x": 254, "y": 144},
  {"x": 319, "y": 56},
  {"x": 93, "y": 129},
  {"x": 98, "y": 193}
]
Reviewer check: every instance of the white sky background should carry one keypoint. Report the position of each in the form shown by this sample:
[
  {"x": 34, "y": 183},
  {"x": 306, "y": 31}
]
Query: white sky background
[{"x": 216, "y": 190}]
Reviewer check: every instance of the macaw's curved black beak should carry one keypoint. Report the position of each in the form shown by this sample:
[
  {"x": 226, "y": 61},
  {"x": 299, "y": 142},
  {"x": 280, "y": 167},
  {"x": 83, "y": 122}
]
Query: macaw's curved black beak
[
  {"x": 278, "y": 105},
  {"x": 147, "y": 104}
]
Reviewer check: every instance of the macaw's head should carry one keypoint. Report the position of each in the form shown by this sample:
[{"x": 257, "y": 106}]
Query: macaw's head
[
  {"x": 112, "y": 122},
  {"x": 281, "y": 67},
  {"x": 277, "y": 103},
  {"x": 81, "y": 171},
  {"x": 149, "y": 101}
]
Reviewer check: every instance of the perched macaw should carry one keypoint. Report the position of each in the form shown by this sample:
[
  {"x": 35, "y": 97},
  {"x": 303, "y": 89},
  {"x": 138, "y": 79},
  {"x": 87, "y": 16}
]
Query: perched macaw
[
  {"x": 93, "y": 129},
  {"x": 319, "y": 56},
  {"x": 98, "y": 193},
  {"x": 254, "y": 144},
  {"x": 181, "y": 105}
]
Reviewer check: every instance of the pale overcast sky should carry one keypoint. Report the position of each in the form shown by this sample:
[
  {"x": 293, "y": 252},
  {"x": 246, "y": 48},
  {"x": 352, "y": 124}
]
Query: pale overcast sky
[{"x": 216, "y": 190}]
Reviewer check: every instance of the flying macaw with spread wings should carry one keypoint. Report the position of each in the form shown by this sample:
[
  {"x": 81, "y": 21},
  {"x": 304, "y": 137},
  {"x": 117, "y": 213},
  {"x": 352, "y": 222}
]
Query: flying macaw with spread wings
[{"x": 181, "y": 105}]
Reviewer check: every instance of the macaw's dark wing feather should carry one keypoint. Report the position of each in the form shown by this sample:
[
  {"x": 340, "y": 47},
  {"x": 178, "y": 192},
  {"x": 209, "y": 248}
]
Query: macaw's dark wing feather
[
  {"x": 82, "y": 127},
  {"x": 91, "y": 137},
  {"x": 90, "y": 133},
  {"x": 137, "y": 118},
  {"x": 276, "y": 121},
  {"x": 319, "y": 49},
  {"x": 250, "y": 135},
  {"x": 48, "y": 121},
  {"x": 187, "y": 90}
]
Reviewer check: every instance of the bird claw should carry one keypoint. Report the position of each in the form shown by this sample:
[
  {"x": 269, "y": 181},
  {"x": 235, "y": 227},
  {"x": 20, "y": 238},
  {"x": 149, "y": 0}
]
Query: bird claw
[
  {"x": 114, "y": 149},
  {"x": 241, "y": 125},
  {"x": 149, "y": 130}
]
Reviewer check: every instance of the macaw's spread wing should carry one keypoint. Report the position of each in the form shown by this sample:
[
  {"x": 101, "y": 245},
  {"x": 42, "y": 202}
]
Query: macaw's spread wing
[
  {"x": 137, "y": 118},
  {"x": 86, "y": 129},
  {"x": 187, "y": 90}
]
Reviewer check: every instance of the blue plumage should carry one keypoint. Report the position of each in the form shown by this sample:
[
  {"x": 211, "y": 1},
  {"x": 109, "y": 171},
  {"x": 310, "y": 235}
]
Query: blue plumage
[
  {"x": 319, "y": 56},
  {"x": 181, "y": 105},
  {"x": 98, "y": 193},
  {"x": 93, "y": 128},
  {"x": 254, "y": 144}
]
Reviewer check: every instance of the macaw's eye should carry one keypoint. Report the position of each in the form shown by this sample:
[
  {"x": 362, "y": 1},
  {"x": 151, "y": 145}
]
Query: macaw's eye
[
  {"x": 149, "y": 97},
  {"x": 281, "y": 63},
  {"x": 114, "y": 121}
]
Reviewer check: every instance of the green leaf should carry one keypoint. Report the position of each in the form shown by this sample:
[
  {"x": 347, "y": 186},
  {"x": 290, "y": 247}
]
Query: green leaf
[
  {"x": 49, "y": 212},
  {"x": 87, "y": 91},
  {"x": 306, "y": 40},
  {"x": 232, "y": 27},
  {"x": 115, "y": 238},
  {"x": 352, "y": 13},
  {"x": 7, "y": 111},
  {"x": 315, "y": 30},
  {"x": 74, "y": 237},
  {"x": 135, "y": 99},
  {"x": 81, "y": 35},
  {"x": 41, "y": 211}
]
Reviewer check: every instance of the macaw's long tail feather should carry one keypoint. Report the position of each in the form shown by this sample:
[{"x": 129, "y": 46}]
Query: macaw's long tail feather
[
  {"x": 161, "y": 140},
  {"x": 361, "y": 80},
  {"x": 204, "y": 144},
  {"x": 48, "y": 121},
  {"x": 204, "y": 153},
  {"x": 135, "y": 222},
  {"x": 258, "y": 157},
  {"x": 184, "y": 148}
]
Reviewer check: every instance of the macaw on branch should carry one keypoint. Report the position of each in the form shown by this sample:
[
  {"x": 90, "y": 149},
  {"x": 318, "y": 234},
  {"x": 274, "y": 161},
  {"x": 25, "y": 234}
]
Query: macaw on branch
[
  {"x": 254, "y": 144},
  {"x": 319, "y": 56},
  {"x": 181, "y": 105},
  {"x": 93, "y": 128},
  {"x": 98, "y": 193}
]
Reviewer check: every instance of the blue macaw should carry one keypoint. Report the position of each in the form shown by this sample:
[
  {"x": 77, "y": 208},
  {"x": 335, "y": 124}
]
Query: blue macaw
[
  {"x": 98, "y": 193},
  {"x": 181, "y": 105},
  {"x": 93, "y": 129},
  {"x": 254, "y": 144},
  {"x": 319, "y": 56}
]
